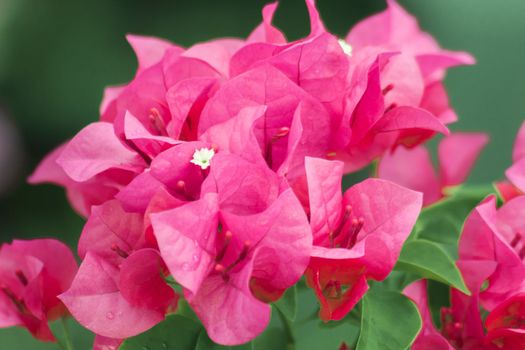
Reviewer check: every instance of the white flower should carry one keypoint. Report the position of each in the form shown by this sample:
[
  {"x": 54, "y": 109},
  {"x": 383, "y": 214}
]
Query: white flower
[
  {"x": 347, "y": 48},
  {"x": 202, "y": 157}
]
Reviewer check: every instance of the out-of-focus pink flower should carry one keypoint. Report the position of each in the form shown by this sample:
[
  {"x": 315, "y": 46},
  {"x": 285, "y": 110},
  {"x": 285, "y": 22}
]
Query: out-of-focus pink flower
[
  {"x": 357, "y": 236},
  {"x": 247, "y": 244},
  {"x": 516, "y": 173},
  {"x": 32, "y": 274},
  {"x": 119, "y": 290},
  {"x": 413, "y": 167},
  {"x": 429, "y": 337},
  {"x": 410, "y": 74},
  {"x": 462, "y": 325},
  {"x": 483, "y": 246}
]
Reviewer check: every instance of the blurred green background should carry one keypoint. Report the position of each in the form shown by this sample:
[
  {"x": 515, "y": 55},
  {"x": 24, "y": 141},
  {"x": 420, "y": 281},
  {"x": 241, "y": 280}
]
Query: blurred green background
[{"x": 57, "y": 56}]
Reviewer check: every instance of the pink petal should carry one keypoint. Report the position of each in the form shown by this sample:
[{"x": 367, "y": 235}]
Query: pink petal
[
  {"x": 457, "y": 154},
  {"x": 135, "y": 197},
  {"x": 324, "y": 192},
  {"x": 519, "y": 144},
  {"x": 510, "y": 218},
  {"x": 507, "y": 191},
  {"x": 237, "y": 135},
  {"x": 439, "y": 61},
  {"x": 316, "y": 25},
  {"x": 282, "y": 239},
  {"x": 516, "y": 174},
  {"x": 310, "y": 135},
  {"x": 403, "y": 76},
  {"x": 59, "y": 263},
  {"x": 142, "y": 283},
  {"x": 266, "y": 32},
  {"x": 435, "y": 100},
  {"x": 429, "y": 337},
  {"x": 149, "y": 143},
  {"x": 185, "y": 100},
  {"x": 95, "y": 301},
  {"x": 108, "y": 106},
  {"x": 105, "y": 343},
  {"x": 412, "y": 168},
  {"x": 216, "y": 53},
  {"x": 264, "y": 85},
  {"x": 321, "y": 272},
  {"x": 48, "y": 171},
  {"x": 228, "y": 310},
  {"x": 389, "y": 212},
  {"x": 242, "y": 187},
  {"x": 174, "y": 165},
  {"x": 480, "y": 241},
  {"x": 110, "y": 230},
  {"x": 149, "y": 50},
  {"x": 96, "y": 149},
  {"x": 410, "y": 119},
  {"x": 187, "y": 252}
]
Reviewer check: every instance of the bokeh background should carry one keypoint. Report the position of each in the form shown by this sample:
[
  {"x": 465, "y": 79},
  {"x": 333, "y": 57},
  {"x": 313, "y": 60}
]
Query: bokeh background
[{"x": 56, "y": 57}]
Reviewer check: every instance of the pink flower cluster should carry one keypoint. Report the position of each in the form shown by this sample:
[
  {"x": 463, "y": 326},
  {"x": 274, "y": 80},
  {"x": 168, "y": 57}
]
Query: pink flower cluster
[
  {"x": 492, "y": 262},
  {"x": 220, "y": 165}
]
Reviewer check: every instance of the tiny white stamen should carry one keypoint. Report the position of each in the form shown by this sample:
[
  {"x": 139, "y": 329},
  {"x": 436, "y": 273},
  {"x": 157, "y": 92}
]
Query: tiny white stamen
[
  {"x": 347, "y": 48},
  {"x": 202, "y": 157}
]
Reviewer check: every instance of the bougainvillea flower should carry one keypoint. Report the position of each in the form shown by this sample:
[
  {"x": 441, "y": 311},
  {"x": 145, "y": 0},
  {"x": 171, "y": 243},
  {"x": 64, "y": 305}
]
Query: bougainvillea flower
[
  {"x": 120, "y": 301},
  {"x": 120, "y": 276},
  {"x": 375, "y": 126},
  {"x": 516, "y": 173},
  {"x": 429, "y": 337},
  {"x": 32, "y": 274},
  {"x": 462, "y": 325},
  {"x": 412, "y": 77},
  {"x": 81, "y": 195},
  {"x": 247, "y": 245},
  {"x": 96, "y": 149},
  {"x": 413, "y": 167},
  {"x": 396, "y": 30},
  {"x": 357, "y": 236},
  {"x": 483, "y": 246}
]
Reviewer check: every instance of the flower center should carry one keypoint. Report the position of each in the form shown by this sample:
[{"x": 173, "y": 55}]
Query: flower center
[
  {"x": 282, "y": 132},
  {"x": 451, "y": 329},
  {"x": 19, "y": 303},
  {"x": 21, "y": 277},
  {"x": 347, "y": 48},
  {"x": 518, "y": 245},
  {"x": 202, "y": 157},
  {"x": 119, "y": 251},
  {"x": 345, "y": 234},
  {"x": 221, "y": 266},
  {"x": 156, "y": 122}
]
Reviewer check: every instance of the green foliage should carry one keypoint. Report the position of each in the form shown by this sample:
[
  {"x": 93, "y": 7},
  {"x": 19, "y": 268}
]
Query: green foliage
[
  {"x": 176, "y": 332},
  {"x": 287, "y": 305},
  {"x": 390, "y": 321},
  {"x": 429, "y": 260}
]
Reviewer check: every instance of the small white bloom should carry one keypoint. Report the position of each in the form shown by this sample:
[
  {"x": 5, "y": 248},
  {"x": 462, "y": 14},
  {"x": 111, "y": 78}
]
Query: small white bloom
[
  {"x": 202, "y": 157},
  {"x": 347, "y": 48}
]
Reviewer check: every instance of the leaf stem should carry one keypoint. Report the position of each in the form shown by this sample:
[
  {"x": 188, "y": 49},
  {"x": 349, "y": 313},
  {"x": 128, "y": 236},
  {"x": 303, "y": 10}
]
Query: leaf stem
[{"x": 67, "y": 336}]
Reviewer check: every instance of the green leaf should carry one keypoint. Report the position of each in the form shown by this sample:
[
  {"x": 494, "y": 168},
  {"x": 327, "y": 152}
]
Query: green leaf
[
  {"x": 205, "y": 343},
  {"x": 442, "y": 222},
  {"x": 430, "y": 261},
  {"x": 175, "y": 332},
  {"x": 288, "y": 303},
  {"x": 271, "y": 338},
  {"x": 390, "y": 321}
]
